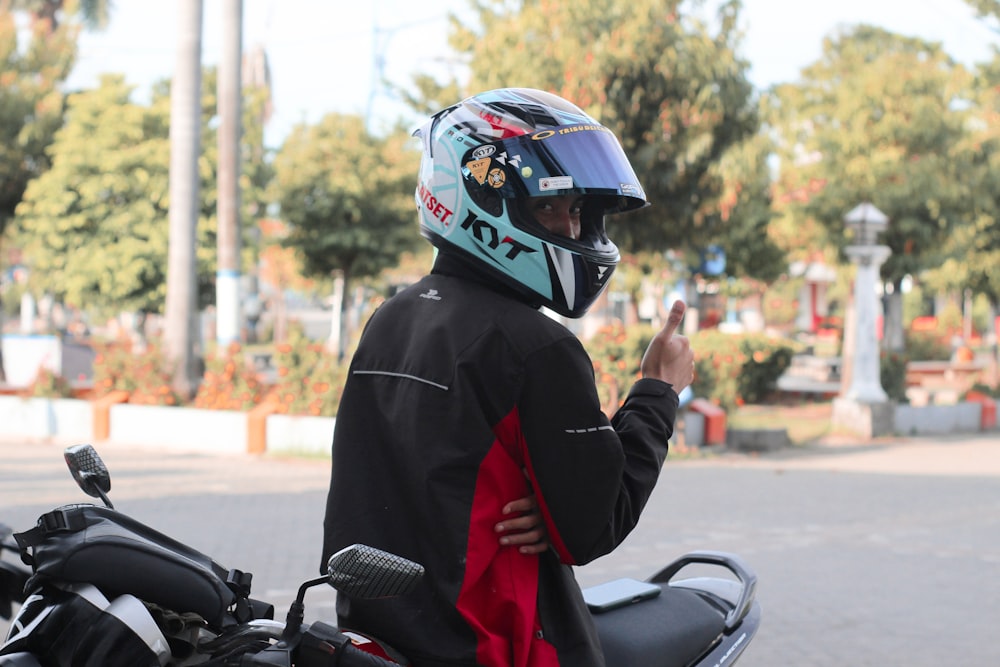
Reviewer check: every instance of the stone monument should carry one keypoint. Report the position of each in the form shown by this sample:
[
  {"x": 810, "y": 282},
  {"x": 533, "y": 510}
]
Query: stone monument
[{"x": 863, "y": 407}]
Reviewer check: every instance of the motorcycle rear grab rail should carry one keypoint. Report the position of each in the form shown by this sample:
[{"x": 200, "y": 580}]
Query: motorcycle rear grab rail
[{"x": 733, "y": 563}]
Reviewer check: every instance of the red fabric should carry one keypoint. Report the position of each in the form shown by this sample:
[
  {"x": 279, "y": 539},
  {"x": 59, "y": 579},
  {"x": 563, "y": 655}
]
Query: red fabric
[{"x": 500, "y": 589}]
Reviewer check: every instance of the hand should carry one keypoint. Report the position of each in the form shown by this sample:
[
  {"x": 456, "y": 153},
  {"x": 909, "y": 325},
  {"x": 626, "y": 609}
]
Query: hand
[
  {"x": 525, "y": 528},
  {"x": 669, "y": 356}
]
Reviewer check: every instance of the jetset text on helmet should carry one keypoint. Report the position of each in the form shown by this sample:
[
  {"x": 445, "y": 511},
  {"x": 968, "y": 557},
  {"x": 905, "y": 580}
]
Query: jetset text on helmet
[
  {"x": 433, "y": 206},
  {"x": 486, "y": 233}
]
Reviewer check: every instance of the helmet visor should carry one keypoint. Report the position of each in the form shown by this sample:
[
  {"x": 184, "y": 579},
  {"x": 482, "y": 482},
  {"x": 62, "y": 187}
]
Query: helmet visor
[{"x": 587, "y": 159}]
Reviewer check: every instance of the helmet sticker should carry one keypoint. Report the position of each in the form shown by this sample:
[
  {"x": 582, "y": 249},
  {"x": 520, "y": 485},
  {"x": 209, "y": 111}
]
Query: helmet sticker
[
  {"x": 497, "y": 178},
  {"x": 555, "y": 183},
  {"x": 433, "y": 206},
  {"x": 545, "y": 134},
  {"x": 513, "y": 161},
  {"x": 484, "y": 151},
  {"x": 479, "y": 168},
  {"x": 488, "y": 235}
]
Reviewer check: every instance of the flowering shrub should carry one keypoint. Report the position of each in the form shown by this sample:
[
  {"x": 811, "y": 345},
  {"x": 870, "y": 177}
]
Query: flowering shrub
[
  {"x": 229, "y": 382},
  {"x": 310, "y": 379},
  {"x": 616, "y": 353},
  {"x": 145, "y": 375},
  {"x": 734, "y": 369},
  {"x": 48, "y": 385},
  {"x": 730, "y": 369}
]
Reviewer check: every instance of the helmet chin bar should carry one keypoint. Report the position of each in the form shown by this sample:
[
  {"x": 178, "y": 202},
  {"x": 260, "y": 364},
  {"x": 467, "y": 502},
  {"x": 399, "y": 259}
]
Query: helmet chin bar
[{"x": 576, "y": 283}]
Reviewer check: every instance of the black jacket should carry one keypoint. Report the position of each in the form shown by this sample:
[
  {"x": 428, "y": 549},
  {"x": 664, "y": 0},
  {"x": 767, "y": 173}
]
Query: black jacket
[{"x": 459, "y": 398}]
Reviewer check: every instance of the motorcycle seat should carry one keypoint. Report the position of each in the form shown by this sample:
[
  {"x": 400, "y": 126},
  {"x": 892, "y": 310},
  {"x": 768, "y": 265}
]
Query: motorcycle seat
[{"x": 673, "y": 629}]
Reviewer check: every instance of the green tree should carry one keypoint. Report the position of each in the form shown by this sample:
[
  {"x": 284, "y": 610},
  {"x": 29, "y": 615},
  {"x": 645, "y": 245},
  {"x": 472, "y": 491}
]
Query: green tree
[
  {"x": 987, "y": 9},
  {"x": 31, "y": 106},
  {"x": 877, "y": 118},
  {"x": 675, "y": 92},
  {"x": 94, "y": 227},
  {"x": 973, "y": 248},
  {"x": 31, "y": 103},
  {"x": 348, "y": 198}
]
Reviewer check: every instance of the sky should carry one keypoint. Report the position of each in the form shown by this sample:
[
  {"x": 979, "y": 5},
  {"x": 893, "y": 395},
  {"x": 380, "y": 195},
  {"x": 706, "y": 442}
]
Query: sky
[{"x": 323, "y": 53}]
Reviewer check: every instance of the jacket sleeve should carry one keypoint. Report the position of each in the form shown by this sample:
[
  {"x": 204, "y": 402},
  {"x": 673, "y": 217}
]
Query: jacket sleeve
[{"x": 592, "y": 476}]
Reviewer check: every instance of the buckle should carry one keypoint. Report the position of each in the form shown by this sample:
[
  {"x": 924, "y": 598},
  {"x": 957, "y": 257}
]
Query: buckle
[{"x": 54, "y": 521}]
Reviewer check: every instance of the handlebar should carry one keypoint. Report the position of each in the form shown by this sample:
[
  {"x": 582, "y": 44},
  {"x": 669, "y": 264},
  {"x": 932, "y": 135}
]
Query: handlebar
[{"x": 319, "y": 645}]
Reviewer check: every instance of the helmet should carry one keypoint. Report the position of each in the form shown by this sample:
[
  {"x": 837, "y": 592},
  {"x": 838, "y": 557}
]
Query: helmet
[{"x": 482, "y": 159}]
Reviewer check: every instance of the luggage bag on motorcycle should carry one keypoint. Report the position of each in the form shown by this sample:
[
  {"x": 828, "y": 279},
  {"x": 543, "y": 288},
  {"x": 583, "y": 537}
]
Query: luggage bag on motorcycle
[{"x": 97, "y": 545}]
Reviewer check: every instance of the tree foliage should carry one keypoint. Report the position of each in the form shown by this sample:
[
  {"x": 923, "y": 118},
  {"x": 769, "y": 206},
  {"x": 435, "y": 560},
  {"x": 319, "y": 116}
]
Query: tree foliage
[
  {"x": 31, "y": 103},
  {"x": 675, "y": 92},
  {"x": 877, "y": 118},
  {"x": 347, "y": 196},
  {"x": 93, "y": 228},
  {"x": 973, "y": 248},
  {"x": 93, "y": 13}
]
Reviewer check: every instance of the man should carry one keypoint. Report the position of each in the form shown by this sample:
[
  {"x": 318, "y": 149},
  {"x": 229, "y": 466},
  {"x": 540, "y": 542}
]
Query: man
[{"x": 470, "y": 425}]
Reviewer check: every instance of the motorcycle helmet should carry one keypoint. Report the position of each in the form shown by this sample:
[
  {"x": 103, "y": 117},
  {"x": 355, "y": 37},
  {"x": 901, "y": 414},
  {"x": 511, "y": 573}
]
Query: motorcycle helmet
[{"x": 483, "y": 158}]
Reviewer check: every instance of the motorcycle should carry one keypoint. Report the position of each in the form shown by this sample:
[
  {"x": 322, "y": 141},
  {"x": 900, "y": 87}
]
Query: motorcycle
[
  {"x": 105, "y": 589},
  {"x": 13, "y": 576}
]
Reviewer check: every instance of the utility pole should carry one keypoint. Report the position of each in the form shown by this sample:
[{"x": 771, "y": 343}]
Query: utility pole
[
  {"x": 185, "y": 144},
  {"x": 227, "y": 278}
]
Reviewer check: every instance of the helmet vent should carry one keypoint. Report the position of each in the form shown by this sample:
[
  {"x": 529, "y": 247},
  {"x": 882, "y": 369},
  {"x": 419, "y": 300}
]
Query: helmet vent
[{"x": 533, "y": 114}]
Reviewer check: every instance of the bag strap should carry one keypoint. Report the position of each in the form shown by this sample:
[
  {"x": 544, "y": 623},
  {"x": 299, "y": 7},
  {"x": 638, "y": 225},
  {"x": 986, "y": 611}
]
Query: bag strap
[{"x": 57, "y": 521}]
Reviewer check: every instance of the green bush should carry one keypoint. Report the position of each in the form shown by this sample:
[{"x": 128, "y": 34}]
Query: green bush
[
  {"x": 734, "y": 369},
  {"x": 892, "y": 374},
  {"x": 927, "y": 346}
]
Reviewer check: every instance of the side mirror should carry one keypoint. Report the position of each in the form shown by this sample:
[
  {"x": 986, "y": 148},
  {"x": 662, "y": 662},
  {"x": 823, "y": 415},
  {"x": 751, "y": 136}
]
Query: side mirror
[
  {"x": 368, "y": 573},
  {"x": 89, "y": 471}
]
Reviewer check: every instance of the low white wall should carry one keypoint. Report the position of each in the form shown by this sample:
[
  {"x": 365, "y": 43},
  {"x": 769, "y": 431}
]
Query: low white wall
[
  {"x": 221, "y": 431},
  {"x": 936, "y": 419},
  {"x": 46, "y": 418},
  {"x": 225, "y": 431},
  {"x": 299, "y": 435}
]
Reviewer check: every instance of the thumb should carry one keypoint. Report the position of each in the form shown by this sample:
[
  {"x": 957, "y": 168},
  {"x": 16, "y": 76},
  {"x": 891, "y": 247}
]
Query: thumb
[{"x": 674, "y": 318}]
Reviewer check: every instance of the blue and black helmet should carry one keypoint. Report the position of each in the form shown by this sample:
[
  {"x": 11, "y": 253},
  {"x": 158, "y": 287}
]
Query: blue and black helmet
[{"x": 485, "y": 156}]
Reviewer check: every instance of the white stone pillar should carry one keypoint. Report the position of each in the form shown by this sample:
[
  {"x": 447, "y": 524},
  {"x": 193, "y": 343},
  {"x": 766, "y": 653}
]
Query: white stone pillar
[
  {"x": 864, "y": 408},
  {"x": 866, "y": 382}
]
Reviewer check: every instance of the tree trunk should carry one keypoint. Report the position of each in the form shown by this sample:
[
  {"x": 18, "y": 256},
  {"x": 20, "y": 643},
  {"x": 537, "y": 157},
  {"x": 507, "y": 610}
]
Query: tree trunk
[
  {"x": 227, "y": 279},
  {"x": 339, "y": 329},
  {"x": 894, "y": 338},
  {"x": 185, "y": 133}
]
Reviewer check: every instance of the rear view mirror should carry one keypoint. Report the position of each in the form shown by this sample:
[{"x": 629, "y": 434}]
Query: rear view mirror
[
  {"x": 368, "y": 573},
  {"x": 89, "y": 471}
]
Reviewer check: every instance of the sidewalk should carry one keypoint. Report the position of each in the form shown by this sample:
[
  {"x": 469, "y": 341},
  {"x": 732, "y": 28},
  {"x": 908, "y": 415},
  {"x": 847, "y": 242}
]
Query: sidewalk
[{"x": 965, "y": 454}]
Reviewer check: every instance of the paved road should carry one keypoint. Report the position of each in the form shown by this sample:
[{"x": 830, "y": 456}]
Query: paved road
[{"x": 878, "y": 554}]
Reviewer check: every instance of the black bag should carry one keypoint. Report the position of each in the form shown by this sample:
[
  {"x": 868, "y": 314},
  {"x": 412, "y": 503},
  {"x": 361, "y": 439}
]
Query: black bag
[{"x": 119, "y": 555}]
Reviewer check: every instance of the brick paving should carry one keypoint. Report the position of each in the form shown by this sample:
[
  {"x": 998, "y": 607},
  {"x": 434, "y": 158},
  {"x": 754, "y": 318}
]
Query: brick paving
[{"x": 883, "y": 553}]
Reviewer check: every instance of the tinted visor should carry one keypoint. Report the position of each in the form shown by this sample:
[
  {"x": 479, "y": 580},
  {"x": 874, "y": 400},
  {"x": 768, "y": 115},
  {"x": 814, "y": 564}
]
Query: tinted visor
[{"x": 586, "y": 159}]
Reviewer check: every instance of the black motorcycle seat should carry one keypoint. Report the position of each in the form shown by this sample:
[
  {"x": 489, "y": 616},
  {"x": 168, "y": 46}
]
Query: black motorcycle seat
[{"x": 673, "y": 629}]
